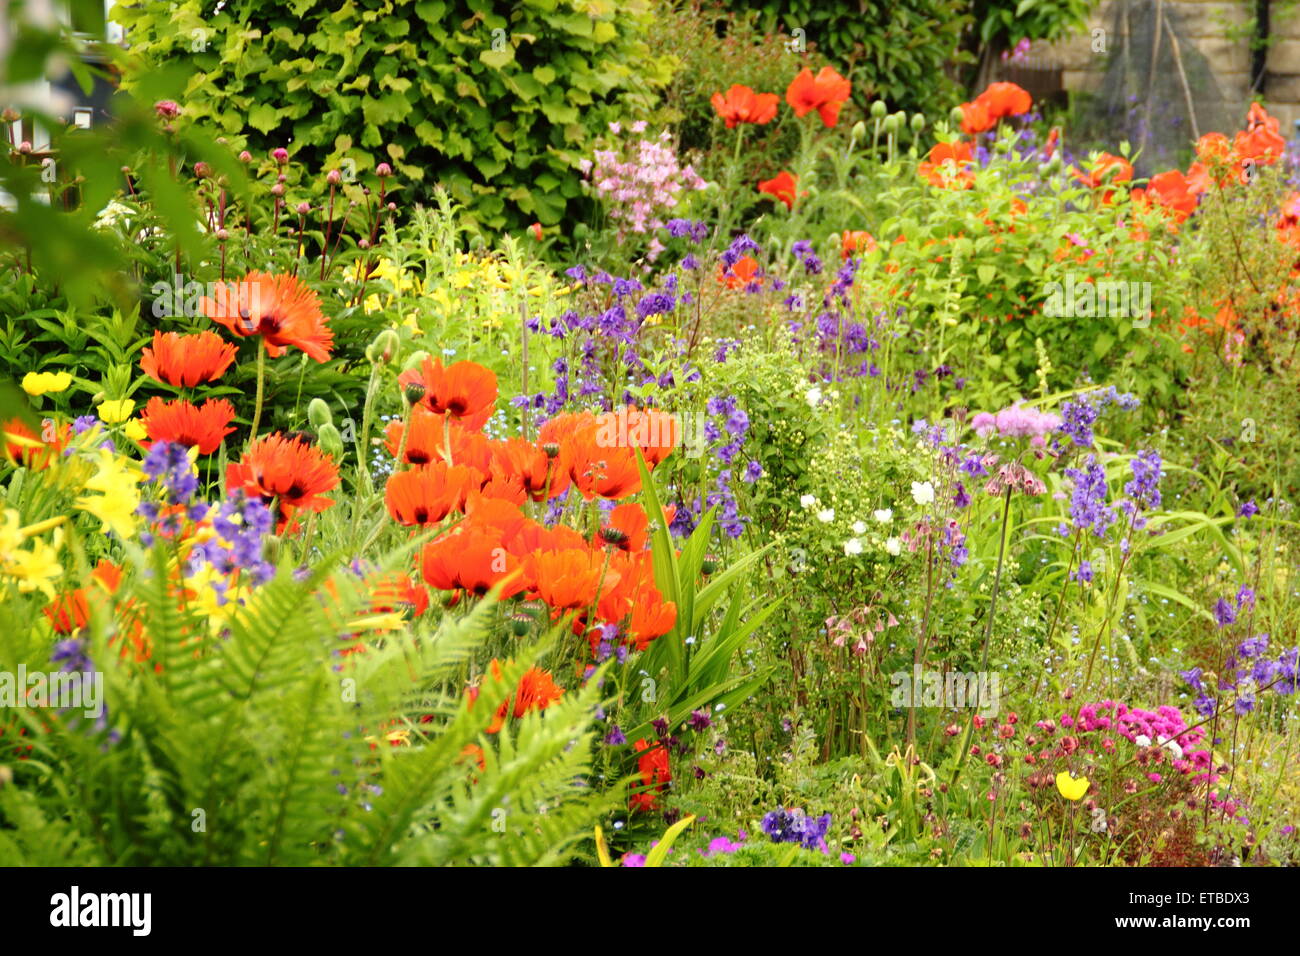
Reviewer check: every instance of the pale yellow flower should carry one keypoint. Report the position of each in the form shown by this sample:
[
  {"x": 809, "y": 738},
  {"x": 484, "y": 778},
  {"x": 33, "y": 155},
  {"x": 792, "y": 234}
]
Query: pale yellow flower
[
  {"x": 115, "y": 507},
  {"x": 135, "y": 430}
]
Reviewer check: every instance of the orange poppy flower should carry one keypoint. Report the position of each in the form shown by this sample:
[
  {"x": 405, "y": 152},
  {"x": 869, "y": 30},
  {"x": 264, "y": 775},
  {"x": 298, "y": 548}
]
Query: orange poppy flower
[
  {"x": 1106, "y": 170},
  {"x": 188, "y": 424},
  {"x": 743, "y": 105},
  {"x": 532, "y": 537},
  {"x": 187, "y": 360},
  {"x": 1169, "y": 190},
  {"x": 396, "y": 591},
  {"x": 430, "y": 439},
  {"x": 69, "y": 612},
  {"x": 653, "y": 430},
  {"x": 1006, "y": 99},
  {"x": 656, "y": 774},
  {"x": 826, "y": 93},
  {"x": 472, "y": 559},
  {"x": 569, "y": 580},
  {"x": 603, "y": 472},
  {"x": 628, "y": 527},
  {"x": 504, "y": 488},
  {"x": 975, "y": 118},
  {"x": 946, "y": 166},
  {"x": 536, "y": 690},
  {"x": 541, "y": 474},
  {"x": 288, "y": 471},
  {"x": 24, "y": 447},
  {"x": 856, "y": 241},
  {"x": 282, "y": 309},
  {"x": 652, "y": 616},
  {"x": 1261, "y": 144},
  {"x": 426, "y": 495},
  {"x": 742, "y": 274},
  {"x": 782, "y": 186},
  {"x": 464, "y": 390}
]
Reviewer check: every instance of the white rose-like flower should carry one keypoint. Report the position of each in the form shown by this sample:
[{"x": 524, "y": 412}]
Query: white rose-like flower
[
  {"x": 883, "y": 515},
  {"x": 922, "y": 492},
  {"x": 859, "y": 527},
  {"x": 1142, "y": 740},
  {"x": 852, "y": 546},
  {"x": 894, "y": 546},
  {"x": 813, "y": 396},
  {"x": 808, "y": 500},
  {"x": 826, "y": 515}
]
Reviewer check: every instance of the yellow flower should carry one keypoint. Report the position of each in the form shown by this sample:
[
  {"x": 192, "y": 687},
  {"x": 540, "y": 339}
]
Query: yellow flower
[
  {"x": 115, "y": 507},
  {"x": 116, "y": 411},
  {"x": 1070, "y": 788},
  {"x": 38, "y": 568},
  {"x": 135, "y": 430},
  {"x": 38, "y": 383}
]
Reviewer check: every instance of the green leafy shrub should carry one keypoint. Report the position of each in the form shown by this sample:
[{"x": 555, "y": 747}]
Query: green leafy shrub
[{"x": 496, "y": 101}]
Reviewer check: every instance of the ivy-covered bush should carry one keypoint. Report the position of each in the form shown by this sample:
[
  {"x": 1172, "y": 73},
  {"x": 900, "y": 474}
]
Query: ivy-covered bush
[{"x": 497, "y": 101}]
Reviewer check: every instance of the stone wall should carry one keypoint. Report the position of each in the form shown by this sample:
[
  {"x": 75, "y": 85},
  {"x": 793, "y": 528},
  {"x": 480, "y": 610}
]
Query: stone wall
[{"x": 1220, "y": 30}]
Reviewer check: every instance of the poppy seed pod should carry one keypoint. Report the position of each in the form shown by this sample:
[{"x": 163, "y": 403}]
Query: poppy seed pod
[
  {"x": 318, "y": 413},
  {"x": 519, "y": 624},
  {"x": 708, "y": 565},
  {"x": 413, "y": 393}
]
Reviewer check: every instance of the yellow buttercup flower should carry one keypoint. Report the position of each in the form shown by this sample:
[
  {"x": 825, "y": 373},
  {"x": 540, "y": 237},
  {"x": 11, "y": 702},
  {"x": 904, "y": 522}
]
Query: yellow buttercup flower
[
  {"x": 116, "y": 411},
  {"x": 1070, "y": 788},
  {"x": 135, "y": 430},
  {"x": 38, "y": 383}
]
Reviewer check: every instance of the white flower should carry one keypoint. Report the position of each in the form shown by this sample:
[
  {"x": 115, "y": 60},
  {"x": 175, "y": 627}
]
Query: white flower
[
  {"x": 813, "y": 396},
  {"x": 808, "y": 500},
  {"x": 826, "y": 515},
  {"x": 1142, "y": 740},
  {"x": 894, "y": 546},
  {"x": 922, "y": 492},
  {"x": 859, "y": 527},
  {"x": 852, "y": 546},
  {"x": 883, "y": 515},
  {"x": 1173, "y": 748}
]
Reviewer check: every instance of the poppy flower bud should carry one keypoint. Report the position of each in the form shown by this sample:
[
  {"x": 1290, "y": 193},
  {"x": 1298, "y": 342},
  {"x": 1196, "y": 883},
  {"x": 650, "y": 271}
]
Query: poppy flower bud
[
  {"x": 859, "y": 131},
  {"x": 330, "y": 441},
  {"x": 383, "y": 170},
  {"x": 918, "y": 122},
  {"x": 891, "y": 123},
  {"x": 384, "y": 347},
  {"x": 536, "y": 230},
  {"x": 414, "y": 392},
  {"x": 878, "y": 109},
  {"x": 280, "y": 155},
  {"x": 334, "y": 177},
  {"x": 318, "y": 413},
  {"x": 956, "y": 117}
]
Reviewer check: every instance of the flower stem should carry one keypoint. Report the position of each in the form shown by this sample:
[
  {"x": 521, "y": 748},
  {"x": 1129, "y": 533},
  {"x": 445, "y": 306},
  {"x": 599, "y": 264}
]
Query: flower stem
[{"x": 261, "y": 387}]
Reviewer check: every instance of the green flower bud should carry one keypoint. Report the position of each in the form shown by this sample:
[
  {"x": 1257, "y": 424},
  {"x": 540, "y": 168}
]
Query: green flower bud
[
  {"x": 956, "y": 117},
  {"x": 329, "y": 440},
  {"x": 384, "y": 347},
  {"x": 878, "y": 109},
  {"x": 859, "y": 131},
  {"x": 318, "y": 413},
  {"x": 918, "y": 122},
  {"x": 414, "y": 360}
]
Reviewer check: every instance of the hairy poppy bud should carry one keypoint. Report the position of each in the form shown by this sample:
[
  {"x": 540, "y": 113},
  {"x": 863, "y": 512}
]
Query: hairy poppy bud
[
  {"x": 918, "y": 122},
  {"x": 318, "y": 413},
  {"x": 330, "y": 441},
  {"x": 878, "y": 109},
  {"x": 384, "y": 347}
]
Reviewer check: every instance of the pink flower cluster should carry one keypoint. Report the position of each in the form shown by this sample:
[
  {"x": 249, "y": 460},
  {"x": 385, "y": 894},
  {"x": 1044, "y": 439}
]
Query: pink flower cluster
[
  {"x": 1163, "y": 729},
  {"x": 640, "y": 181},
  {"x": 1015, "y": 421}
]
